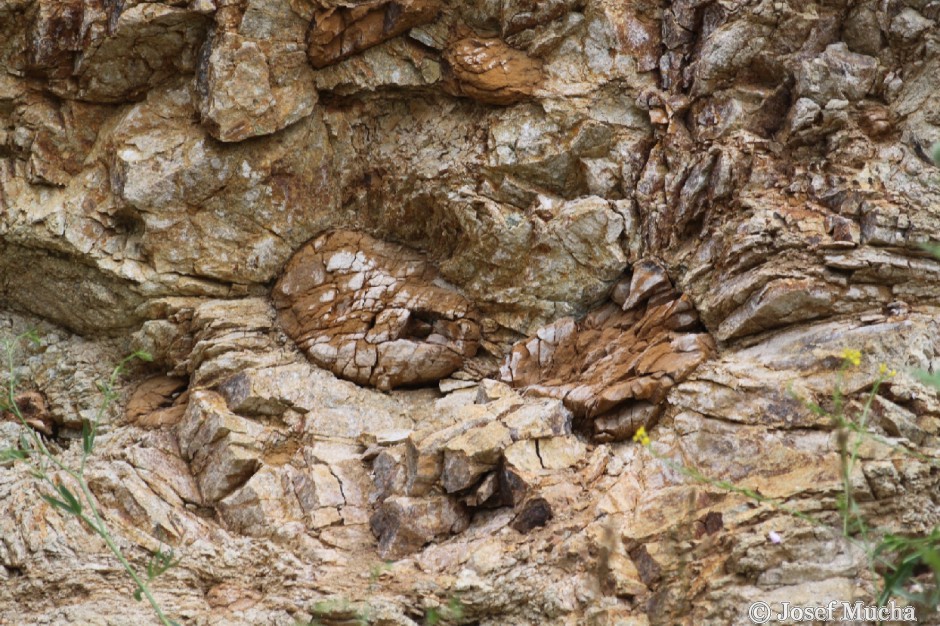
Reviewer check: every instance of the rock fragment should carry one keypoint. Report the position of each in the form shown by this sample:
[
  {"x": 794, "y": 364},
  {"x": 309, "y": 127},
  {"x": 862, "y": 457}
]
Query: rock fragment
[
  {"x": 490, "y": 71},
  {"x": 337, "y": 33},
  {"x": 472, "y": 454},
  {"x": 223, "y": 448},
  {"x": 404, "y": 524},
  {"x": 534, "y": 513},
  {"x": 616, "y": 365}
]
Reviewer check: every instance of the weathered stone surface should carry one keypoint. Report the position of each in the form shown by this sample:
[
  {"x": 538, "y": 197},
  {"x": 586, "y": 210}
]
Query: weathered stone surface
[
  {"x": 339, "y": 32},
  {"x": 30, "y": 408},
  {"x": 471, "y": 454},
  {"x": 223, "y": 448},
  {"x": 404, "y": 525},
  {"x": 254, "y": 78},
  {"x": 370, "y": 312},
  {"x": 619, "y": 360},
  {"x": 154, "y": 402},
  {"x": 115, "y": 53},
  {"x": 490, "y": 71}
]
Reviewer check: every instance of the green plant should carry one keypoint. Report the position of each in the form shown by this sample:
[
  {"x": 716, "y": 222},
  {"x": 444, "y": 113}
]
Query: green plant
[
  {"x": 66, "y": 488},
  {"x": 452, "y": 611}
]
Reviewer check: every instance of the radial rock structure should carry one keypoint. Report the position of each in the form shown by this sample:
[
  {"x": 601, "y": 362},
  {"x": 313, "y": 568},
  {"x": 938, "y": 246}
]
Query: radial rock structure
[{"x": 371, "y": 312}]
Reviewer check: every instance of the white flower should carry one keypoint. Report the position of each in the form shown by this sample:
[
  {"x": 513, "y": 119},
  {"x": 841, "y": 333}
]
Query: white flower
[{"x": 774, "y": 537}]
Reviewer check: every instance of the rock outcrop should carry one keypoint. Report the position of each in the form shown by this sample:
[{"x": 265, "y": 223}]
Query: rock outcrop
[{"x": 413, "y": 273}]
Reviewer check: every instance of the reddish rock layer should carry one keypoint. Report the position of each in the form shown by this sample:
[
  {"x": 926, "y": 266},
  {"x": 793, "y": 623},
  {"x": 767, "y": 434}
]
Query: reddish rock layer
[{"x": 339, "y": 33}]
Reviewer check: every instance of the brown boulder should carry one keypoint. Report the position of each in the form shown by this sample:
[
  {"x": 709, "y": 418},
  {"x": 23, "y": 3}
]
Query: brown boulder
[
  {"x": 373, "y": 312},
  {"x": 489, "y": 70}
]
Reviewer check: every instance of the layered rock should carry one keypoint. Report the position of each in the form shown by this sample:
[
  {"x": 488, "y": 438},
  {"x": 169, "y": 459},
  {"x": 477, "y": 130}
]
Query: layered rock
[
  {"x": 615, "y": 367},
  {"x": 338, "y": 32},
  {"x": 162, "y": 162},
  {"x": 370, "y": 312},
  {"x": 490, "y": 71}
]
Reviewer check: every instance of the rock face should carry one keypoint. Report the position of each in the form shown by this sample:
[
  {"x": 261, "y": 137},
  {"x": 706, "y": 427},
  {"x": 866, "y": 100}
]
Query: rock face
[
  {"x": 370, "y": 312},
  {"x": 414, "y": 272}
]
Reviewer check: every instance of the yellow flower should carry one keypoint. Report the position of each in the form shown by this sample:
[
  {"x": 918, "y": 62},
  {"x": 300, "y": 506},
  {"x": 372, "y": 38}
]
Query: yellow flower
[
  {"x": 884, "y": 371},
  {"x": 852, "y": 356},
  {"x": 641, "y": 437}
]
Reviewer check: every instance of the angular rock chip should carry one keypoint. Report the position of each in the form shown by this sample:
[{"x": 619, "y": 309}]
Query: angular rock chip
[
  {"x": 337, "y": 33},
  {"x": 153, "y": 402},
  {"x": 473, "y": 453},
  {"x": 404, "y": 525},
  {"x": 262, "y": 504},
  {"x": 374, "y": 312},
  {"x": 223, "y": 448},
  {"x": 32, "y": 408},
  {"x": 615, "y": 365},
  {"x": 534, "y": 513}
]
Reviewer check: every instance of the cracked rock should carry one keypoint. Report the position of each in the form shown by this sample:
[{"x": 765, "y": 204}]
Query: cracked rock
[
  {"x": 404, "y": 525},
  {"x": 374, "y": 312},
  {"x": 614, "y": 366}
]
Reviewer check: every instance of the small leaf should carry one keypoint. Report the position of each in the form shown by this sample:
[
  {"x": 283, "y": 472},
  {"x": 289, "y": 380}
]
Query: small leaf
[
  {"x": 932, "y": 380},
  {"x": 88, "y": 441},
  {"x": 137, "y": 594},
  {"x": 143, "y": 355},
  {"x": 57, "y": 503},
  {"x": 12, "y": 454},
  {"x": 932, "y": 248},
  {"x": 74, "y": 505}
]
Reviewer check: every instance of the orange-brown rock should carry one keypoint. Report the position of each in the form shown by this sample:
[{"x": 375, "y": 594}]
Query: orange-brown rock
[
  {"x": 374, "y": 312},
  {"x": 32, "y": 408},
  {"x": 157, "y": 402},
  {"x": 491, "y": 71},
  {"x": 340, "y": 32},
  {"x": 616, "y": 365}
]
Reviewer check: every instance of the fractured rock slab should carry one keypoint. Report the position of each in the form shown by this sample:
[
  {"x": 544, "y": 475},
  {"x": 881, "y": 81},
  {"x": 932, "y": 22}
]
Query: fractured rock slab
[
  {"x": 374, "y": 312},
  {"x": 223, "y": 448},
  {"x": 404, "y": 525},
  {"x": 616, "y": 365}
]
